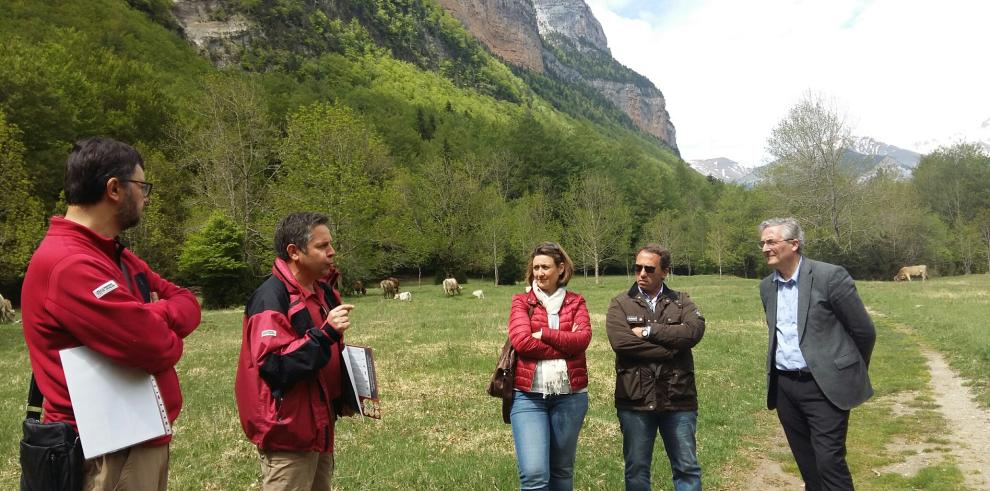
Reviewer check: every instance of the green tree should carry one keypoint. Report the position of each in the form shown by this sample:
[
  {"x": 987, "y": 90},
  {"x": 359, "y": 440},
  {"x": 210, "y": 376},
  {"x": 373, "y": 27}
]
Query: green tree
[
  {"x": 334, "y": 162},
  {"x": 212, "y": 258},
  {"x": 22, "y": 217}
]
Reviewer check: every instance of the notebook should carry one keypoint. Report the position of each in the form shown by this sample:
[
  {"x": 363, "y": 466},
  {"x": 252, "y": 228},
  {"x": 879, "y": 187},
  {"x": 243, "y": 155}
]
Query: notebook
[{"x": 115, "y": 406}]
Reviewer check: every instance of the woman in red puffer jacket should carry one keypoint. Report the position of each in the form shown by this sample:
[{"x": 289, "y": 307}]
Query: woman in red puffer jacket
[{"x": 550, "y": 330}]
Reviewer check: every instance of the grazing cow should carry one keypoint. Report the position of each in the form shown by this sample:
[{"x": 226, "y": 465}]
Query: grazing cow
[
  {"x": 907, "y": 272},
  {"x": 6, "y": 310},
  {"x": 358, "y": 287},
  {"x": 404, "y": 297},
  {"x": 390, "y": 286},
  {"x": 480, "y": 295},
  {"x": 450, "y": 287}
]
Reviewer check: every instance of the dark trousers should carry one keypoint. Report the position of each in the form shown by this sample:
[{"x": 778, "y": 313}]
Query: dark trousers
[{"x": 816, "y": 432}]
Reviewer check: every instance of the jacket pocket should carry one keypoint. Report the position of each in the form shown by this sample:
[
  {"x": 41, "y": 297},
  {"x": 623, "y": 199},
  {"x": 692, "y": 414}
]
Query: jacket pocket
[
  {"x": 628, "y": 386},
  {"x": 847, "y": 360},
  {"x": 681, "y": 384}
]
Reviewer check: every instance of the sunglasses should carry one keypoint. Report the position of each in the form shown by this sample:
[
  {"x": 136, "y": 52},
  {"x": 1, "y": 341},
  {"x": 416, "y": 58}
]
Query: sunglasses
[{"x": 649, "y": 269}]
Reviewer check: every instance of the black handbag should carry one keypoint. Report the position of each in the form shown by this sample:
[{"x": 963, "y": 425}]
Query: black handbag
[{"x": 51, "y": 455}]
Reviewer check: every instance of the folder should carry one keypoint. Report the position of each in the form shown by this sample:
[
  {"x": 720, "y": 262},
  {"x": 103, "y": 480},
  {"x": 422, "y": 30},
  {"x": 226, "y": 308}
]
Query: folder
[
  {"x": 361, "y": 388},
  {"x": 115, "y": 406}
]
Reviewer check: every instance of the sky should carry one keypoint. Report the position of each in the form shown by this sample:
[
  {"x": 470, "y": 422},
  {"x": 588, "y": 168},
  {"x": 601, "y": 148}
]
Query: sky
[{"x": 904, "y": 72}]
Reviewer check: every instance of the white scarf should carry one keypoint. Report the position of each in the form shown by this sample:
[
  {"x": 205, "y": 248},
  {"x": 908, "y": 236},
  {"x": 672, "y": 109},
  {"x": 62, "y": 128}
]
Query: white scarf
[{"x": 551, "y": 375}]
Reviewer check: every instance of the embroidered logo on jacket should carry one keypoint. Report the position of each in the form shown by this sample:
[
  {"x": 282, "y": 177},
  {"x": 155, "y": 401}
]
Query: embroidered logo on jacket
[
  {"x": 105, "y": 288},
  {"x": 268, "y": 333}
]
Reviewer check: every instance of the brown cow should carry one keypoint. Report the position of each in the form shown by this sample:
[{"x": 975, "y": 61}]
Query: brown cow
[
  {"x": 907, "y": 272},
  {"x": 358, "y": 287},
  {"x": 390, "y": 286},
  {"x": 6, "y": 311}
]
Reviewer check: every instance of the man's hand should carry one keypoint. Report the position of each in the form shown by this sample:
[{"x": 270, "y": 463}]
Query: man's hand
[
  {"x": 638, "y": 331},
  {"x": 339, "y": 319}
]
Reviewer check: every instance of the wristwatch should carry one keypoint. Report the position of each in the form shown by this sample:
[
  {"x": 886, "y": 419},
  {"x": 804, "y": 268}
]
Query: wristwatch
[{"x": 646, "y": 331}]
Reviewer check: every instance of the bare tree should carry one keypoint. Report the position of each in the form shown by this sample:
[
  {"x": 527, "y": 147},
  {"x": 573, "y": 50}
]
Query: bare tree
[
  {"x": 808, "y": 147},
  {"x": 599, "y": 220}
]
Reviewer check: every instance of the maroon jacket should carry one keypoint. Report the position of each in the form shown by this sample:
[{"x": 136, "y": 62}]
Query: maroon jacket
[
  {"x": 289, "y": 370},
  {"x": 76, "y": 293},
  {"x": 569, "y": 342}
]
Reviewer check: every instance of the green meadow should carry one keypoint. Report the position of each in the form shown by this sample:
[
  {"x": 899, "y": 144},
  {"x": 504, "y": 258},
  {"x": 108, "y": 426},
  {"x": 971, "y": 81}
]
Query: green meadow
[{"x": 440, "y": 430}]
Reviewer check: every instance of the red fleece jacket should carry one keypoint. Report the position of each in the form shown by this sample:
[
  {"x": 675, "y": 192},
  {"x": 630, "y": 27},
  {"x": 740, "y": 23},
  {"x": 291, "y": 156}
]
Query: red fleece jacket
[{"x": 76, "y": 294}]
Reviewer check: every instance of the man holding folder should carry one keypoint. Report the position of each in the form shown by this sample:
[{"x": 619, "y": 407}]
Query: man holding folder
[
  {"x": 84, "y": 288},
  {"x": 290, "y": 368}
]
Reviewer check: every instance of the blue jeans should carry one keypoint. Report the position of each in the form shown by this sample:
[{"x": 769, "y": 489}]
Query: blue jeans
[
  {"x": 677, "y": 428},
  {"x": 545, "y": 431}
]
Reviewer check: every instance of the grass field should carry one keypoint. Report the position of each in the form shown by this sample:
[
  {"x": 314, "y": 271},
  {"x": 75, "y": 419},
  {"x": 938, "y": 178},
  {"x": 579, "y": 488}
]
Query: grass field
[{"x": 441, "y": 431}]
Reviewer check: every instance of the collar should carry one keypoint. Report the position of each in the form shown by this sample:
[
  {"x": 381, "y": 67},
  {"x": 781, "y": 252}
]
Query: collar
[
  {"x": 647, "y": 296},
  {"x": 281, "y": 269},
  {"x": 636, "y": 293},
  {"x": 108, "y": 245},
  {"x": 797, "y": 271}
]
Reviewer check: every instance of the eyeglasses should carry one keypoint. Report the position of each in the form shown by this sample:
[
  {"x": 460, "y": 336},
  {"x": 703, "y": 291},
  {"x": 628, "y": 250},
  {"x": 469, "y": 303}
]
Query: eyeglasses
[
  {"x": 772, "y": 243},
  {"x": 649, "y": 269},
  {"x": 145, "y": 186}
]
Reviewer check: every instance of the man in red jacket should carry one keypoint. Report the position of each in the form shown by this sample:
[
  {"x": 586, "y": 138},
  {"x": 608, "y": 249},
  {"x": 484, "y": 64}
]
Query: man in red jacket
[
  {"x": 289, "y": 372},
  {"x": 84, "y": 288}
]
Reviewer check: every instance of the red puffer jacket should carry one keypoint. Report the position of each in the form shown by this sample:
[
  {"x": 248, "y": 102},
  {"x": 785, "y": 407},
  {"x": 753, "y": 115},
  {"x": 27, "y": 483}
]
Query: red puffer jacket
[{"x": 569, "y": 342}]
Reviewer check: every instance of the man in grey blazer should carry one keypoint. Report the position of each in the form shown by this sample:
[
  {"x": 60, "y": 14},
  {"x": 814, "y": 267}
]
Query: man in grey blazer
[{"x": 821, "y": 339}]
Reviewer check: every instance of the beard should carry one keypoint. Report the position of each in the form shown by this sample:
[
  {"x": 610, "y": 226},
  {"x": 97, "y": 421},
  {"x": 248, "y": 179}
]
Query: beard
[{"x": 129, "y": 214}]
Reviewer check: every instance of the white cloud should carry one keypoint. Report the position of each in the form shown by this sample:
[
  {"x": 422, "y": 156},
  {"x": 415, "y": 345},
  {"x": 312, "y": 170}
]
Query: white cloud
[{"x": 906, "y": 70}]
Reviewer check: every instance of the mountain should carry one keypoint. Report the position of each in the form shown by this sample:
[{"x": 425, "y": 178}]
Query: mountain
[
  {"x": 722, "y": 168},
  {"x": 569, "y": 47}
]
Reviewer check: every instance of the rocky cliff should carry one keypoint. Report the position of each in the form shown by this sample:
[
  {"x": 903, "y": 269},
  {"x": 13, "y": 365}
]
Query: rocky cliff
[
  {"x": 216, "y": 35},
  {"x": 569, "y": 44},
  {"x": 507, "y": 27}
]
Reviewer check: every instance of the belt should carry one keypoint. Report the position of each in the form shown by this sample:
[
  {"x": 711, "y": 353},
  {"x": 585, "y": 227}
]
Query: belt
[{"x": 796, "y": 374}]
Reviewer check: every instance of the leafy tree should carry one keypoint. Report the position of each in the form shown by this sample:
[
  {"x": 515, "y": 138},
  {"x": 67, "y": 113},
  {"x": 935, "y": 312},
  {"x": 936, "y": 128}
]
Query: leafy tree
[
  {"x": 22, "y": 218},
  {"x": 953, "y": 181},
  {"x": 228, "y": 149},
  {"x": 334, "y": 162},
  {"x": 212, "y": 258}
]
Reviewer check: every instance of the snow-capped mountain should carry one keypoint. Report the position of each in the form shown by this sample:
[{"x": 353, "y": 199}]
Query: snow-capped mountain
[{"x": 722, "y": 168}]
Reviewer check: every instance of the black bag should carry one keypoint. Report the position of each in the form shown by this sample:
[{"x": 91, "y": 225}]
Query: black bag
[{"x": 51, "y": 455}]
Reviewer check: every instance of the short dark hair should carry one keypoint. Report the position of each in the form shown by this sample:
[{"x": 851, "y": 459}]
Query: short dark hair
[
  {"x": 92, "y": 162},
  {"x": 659, "y": 250},
  {"x": 560, "y": 258},
  {"x": 296, "y": 229}
]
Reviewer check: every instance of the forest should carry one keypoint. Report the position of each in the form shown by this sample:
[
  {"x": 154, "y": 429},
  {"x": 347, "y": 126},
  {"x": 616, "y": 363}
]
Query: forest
[{"x": 431, "y": 156}]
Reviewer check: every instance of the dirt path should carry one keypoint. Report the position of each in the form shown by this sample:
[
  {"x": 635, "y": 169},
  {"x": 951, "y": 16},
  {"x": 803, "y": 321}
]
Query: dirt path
[
  {"x": 969, "y": 424},
  {"x": 969, "y": 434}
]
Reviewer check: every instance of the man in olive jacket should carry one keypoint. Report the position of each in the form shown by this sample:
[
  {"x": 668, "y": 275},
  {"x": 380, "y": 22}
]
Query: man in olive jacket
[{"x": 652, "y": 329}]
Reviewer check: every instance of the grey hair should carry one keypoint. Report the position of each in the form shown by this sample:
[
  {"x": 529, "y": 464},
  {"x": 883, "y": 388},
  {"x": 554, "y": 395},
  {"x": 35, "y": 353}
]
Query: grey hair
[{"x": 791, "y": 229}]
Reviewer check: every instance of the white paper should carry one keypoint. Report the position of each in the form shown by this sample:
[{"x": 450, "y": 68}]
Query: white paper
[
  {"x": 357, "y": 359},
  {"x": 115, "y": 406}
]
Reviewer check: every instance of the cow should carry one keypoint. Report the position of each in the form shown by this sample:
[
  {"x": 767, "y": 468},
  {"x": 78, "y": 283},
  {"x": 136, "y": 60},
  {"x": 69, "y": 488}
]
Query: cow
[
  {"x": 404, "y": 297},
  {"x": 907, "y": 272},
  {"x": 450, "y": 287},
  {"x": 358, "y": 287},
  {"x": 390, "y": 286},
  {"x": 480, "y": 295},
  {"x": 6, "y": 311}
]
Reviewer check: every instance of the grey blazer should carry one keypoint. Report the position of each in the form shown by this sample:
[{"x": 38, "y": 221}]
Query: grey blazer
[{"x": 835, "y": 332}]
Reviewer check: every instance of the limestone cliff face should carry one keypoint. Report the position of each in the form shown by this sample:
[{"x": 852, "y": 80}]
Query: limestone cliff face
[
  {"x": 568, "y": 28},
  {"x": 507, "y": 27},
  {"x": 571, "y": 19},
  {"x": 216, "y": 39}
]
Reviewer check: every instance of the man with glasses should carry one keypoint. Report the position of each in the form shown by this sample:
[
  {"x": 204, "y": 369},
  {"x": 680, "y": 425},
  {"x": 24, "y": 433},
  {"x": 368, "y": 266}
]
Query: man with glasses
[
  {"x": 821, "y": 339},
  {"x": 84, "y": 288},
  {"x": 652, "y": 329}
]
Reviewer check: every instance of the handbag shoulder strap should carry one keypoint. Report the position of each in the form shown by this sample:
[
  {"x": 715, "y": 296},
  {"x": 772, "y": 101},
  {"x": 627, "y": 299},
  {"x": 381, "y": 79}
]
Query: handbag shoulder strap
[{"x": 34, "y": 400}]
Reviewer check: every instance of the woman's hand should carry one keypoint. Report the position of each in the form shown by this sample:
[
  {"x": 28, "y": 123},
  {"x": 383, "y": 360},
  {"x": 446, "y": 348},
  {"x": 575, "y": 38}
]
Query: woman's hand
[{"x": 538, "y": 334}]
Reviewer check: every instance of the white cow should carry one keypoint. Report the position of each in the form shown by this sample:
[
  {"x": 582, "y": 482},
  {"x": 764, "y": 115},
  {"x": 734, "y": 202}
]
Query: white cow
[
  {"x": 404, "y": 297},
  {"x": 6, "y": 310},
  {"x": 907, "y": 272},
  {"x": 450, "y": 287},
  {"x": 479, "y": 294}
]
